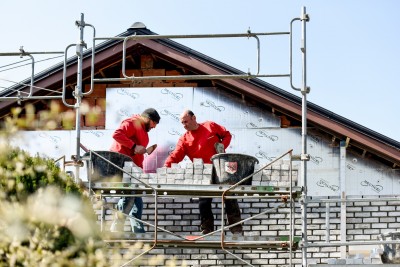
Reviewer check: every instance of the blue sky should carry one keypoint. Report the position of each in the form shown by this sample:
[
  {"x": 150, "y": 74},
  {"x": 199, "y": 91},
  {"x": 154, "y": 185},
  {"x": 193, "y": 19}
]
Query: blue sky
[{"x": 353, "y": 46}]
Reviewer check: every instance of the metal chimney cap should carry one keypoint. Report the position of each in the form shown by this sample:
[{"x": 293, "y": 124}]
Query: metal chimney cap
[{"x": 138, "y": 25}]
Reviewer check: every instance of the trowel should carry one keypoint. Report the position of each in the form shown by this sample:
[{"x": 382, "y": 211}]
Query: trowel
[{"x": 150, "y": 149}]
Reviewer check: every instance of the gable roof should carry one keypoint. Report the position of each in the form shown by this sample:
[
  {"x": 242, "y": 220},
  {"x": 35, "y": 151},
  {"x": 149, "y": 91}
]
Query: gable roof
[{"x": 110, "y": 51}]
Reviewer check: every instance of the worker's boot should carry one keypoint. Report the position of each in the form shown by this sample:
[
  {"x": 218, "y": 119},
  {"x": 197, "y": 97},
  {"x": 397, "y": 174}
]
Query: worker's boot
[
  {"x": 118, "y": 222},
  {"x": 124, "y": 206},
  {"x": 206, "y": 216},
  {"x": 233, "y": 215},
  {"x": 207, "y": 225},
  {"x": 237, "y": 229}
]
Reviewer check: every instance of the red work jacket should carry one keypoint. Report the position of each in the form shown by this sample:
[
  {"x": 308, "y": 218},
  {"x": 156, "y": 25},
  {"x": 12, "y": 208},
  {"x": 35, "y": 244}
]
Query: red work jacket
[
  {"x": 131, "y": 131},
  {"x": 199, "y": 143}
]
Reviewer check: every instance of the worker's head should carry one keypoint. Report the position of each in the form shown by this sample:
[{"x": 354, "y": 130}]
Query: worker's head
[
  {"x": 188, "y": 120},
  {"x": 151, "y": 118}
]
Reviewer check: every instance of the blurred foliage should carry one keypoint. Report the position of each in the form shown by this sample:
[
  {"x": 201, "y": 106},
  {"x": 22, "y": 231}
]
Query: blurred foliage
[
  {"x": 22, "y": 175},
  {"x": 46, "y": 219},
  {"x": 44, "y": 215}
]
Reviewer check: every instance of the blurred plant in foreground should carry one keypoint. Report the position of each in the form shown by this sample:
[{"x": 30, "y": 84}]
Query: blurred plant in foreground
[{"x": 46, "y": 219}]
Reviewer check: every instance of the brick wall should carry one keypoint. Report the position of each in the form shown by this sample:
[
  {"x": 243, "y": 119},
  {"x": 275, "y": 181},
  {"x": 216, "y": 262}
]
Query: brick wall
[{"x": 180, "y": 215}]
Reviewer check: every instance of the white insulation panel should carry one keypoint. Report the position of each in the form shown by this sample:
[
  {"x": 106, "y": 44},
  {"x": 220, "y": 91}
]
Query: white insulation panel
[{"x": 255, "y": 132}]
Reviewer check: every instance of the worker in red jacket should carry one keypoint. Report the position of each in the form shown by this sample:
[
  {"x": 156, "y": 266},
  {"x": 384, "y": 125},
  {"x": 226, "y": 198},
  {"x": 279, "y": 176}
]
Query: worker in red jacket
[
  {"x": 200, "y": 141},
  {"x": 131, "y": 139}
]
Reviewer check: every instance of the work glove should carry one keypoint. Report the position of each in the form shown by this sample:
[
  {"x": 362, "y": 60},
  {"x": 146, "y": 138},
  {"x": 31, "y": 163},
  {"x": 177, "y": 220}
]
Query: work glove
[
  {"x": 138, "y": 149},
  {"x": 219, "y": 148}
]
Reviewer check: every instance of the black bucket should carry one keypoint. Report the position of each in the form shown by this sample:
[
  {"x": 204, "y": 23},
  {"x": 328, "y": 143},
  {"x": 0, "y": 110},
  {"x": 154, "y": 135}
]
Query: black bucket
[
  {"x": 231, "y": 168},
  {"x": 103, "y": 170}
]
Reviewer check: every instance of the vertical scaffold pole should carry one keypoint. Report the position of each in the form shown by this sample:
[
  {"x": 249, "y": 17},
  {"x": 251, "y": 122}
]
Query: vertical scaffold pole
[
  {"x": 304, "y": 156},
  {"x": 78, "y": 89}
]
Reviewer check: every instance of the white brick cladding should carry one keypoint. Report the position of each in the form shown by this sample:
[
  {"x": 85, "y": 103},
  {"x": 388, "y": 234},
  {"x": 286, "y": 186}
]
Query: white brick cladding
[
  {"x": 197, "y": 172},
  {"x": 365, "y": 220}
]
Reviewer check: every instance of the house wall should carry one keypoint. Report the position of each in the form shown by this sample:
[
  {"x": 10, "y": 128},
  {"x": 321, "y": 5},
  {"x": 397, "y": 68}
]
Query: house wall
[{"x": 257, "y": 133}]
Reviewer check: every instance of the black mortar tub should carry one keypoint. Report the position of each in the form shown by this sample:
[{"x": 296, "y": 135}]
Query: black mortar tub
[
  {"x": 104, "y": 171},
  {"x": 230, "y": 168}
]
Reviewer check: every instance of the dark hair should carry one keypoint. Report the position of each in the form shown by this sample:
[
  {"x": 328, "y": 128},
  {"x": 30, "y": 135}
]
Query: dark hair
[{"x": 152, "y": 114}]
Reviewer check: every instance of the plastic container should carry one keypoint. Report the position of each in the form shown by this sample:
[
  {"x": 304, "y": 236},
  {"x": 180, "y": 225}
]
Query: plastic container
[
  {"x": 229, "y": 168},
  {"x": 104, "y": 171}
]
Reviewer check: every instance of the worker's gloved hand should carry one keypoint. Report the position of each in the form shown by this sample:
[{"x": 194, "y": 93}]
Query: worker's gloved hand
[
  {"x": 138, "y": 149},
  {"x": 219, "y": 148}
]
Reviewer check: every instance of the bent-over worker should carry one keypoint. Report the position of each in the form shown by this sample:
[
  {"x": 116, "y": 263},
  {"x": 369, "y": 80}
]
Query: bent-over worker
[
  {"x": 131, "y": 139},
  {"x": 200, "y": 141}
]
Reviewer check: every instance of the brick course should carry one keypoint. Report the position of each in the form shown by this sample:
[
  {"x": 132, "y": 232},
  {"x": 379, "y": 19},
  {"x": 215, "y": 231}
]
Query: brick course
[{"x": 181, "y": 215}]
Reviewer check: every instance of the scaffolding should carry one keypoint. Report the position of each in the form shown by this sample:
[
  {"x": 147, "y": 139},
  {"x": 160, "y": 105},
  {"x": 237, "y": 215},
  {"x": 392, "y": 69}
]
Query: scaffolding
[
  {"x": 104, "y": 190},
  {"x": 164, "y": 238}
]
